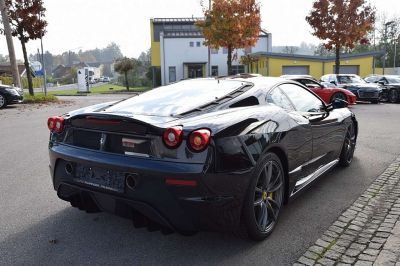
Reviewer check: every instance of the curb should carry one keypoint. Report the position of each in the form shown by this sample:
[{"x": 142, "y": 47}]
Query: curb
[{"x": 367, "y": 232}]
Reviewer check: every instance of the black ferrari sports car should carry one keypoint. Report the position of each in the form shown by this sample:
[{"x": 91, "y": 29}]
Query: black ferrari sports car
[{"x": 219, "y": 154}]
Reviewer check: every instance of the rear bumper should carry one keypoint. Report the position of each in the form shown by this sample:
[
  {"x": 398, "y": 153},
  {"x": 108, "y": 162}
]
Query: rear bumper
[{"x": 215, "y": 203}]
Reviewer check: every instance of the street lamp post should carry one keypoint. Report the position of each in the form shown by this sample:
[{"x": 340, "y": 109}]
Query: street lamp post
[
  {"x": 396, "y": 40},
  {"x": 385, "y": 43},
  {"x": 209, "y": 51}
]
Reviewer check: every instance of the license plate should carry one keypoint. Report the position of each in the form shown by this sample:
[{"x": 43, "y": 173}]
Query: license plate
[{"x": 102, "y": 178}]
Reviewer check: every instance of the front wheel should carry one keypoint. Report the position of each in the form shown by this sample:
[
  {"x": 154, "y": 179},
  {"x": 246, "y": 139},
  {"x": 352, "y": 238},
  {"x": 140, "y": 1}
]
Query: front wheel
[
  {"x": 3, "y": 101},
  {"x": 338, "y": 96},
  {"x": 264, "y": 198},
  {"x": 393, "y": 96},
  {"x": 349, "y": 145}
]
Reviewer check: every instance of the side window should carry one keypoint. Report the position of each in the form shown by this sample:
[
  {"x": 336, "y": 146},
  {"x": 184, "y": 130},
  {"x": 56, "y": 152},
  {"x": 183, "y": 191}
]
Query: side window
[
  {"x": 278, "y": 98},
  {"x": 303, "y": 100},
  {"x": 311, "y": 83}
]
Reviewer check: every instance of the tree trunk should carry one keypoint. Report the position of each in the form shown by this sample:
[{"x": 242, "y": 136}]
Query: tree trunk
[
  {"x": 27, "y": 68},
  {"x": 229, "y": 60},
  {"x": 10, "y": 45},
  {"x": 337, "y": 60},
  {"x": 126, "y": 81}
]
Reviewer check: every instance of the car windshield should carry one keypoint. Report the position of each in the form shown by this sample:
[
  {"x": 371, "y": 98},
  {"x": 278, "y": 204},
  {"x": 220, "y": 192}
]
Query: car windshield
[
  {"x": 177, "y": 98},
  {"x": 393, "y": 80},
  {"x": 350, "y": 79}
]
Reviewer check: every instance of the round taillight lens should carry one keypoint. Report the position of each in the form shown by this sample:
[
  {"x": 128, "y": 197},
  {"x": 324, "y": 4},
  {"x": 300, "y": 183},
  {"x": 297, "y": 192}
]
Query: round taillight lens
[
  {"x": 199, "y": 139},
  {"x": 56, "y": 124},
  {"x": 172, "y": 137},
  {"x": 51, "y": 123}
]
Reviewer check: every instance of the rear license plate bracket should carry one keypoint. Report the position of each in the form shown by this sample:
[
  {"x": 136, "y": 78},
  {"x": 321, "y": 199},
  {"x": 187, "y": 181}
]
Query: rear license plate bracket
[{"x": 101, "y": 178}]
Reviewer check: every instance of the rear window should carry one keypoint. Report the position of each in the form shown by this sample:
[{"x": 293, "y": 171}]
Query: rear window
[{"x": 177, "y": 98}]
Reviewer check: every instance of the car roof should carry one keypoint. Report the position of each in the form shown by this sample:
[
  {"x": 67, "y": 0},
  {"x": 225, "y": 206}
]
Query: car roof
[{"x": 298, "y": 77}]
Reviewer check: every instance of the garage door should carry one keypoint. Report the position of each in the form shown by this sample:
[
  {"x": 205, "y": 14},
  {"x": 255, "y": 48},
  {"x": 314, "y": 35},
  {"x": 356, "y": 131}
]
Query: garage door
[
  {"x": 348, "y": 69},
  {"x": 295, "y": 70}
]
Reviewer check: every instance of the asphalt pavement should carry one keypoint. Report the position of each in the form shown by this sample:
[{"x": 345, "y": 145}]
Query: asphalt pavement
[{"x": 38, "y": 228}]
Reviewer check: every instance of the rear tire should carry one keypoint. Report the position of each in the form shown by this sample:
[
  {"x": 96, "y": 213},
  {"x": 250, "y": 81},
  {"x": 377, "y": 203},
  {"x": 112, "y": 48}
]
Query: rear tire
[
  {"x": 393, "y": 96},
  {"x": 3, "y": 101},
  {"x": 264, "y": 199},
  {"x": 348, "y": 148}
]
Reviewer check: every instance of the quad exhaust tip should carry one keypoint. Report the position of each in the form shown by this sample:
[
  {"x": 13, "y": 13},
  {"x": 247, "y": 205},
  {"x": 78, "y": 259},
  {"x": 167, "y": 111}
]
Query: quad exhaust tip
[{"x": 69, "y": 169}]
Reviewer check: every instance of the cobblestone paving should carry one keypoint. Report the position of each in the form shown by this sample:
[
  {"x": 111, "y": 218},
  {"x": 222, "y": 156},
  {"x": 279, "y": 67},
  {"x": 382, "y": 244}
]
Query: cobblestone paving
[{"x": 368, "y": 232}]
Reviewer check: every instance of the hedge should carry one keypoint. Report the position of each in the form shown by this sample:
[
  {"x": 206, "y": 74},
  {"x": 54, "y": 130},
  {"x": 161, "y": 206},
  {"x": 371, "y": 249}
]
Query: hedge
[{"x": 37, "y": 82}]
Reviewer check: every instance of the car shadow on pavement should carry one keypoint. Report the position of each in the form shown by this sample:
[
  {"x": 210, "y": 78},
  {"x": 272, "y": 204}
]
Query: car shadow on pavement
[{"x": 74, "y": 237}]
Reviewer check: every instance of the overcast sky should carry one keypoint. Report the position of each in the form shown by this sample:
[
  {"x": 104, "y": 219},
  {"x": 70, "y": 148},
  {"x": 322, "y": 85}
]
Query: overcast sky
[{"x": 77, "y": 24}]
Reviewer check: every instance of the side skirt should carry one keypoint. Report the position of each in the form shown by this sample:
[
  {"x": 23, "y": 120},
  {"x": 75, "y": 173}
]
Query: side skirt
[{"x": 305, "y": 181}]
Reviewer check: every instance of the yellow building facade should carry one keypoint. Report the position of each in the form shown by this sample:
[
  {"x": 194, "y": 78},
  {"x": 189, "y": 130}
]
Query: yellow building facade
[{"x": 277, "y": 64}]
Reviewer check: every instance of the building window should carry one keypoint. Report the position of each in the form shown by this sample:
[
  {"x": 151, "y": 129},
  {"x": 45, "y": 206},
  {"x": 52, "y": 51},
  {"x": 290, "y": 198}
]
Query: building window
[
  {"x": 225, "y": 50},
  {"x": 237, "y": 69},
  {"x": 191, "y": 44},
  {"x": 214, "y": 71},
  {"x": 247, "y": 50},
  {"x": 198, "y": 44},
  {"x": 172, "y": 74},
  {"x": 214, "y": 51}
]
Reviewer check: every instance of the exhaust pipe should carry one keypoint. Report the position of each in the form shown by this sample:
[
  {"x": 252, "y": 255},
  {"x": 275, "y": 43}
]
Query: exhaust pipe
[{"x": 69, "y": 169}]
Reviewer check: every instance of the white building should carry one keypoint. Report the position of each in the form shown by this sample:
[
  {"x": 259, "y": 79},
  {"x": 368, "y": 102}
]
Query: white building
[{"x": 177, "y": 52}]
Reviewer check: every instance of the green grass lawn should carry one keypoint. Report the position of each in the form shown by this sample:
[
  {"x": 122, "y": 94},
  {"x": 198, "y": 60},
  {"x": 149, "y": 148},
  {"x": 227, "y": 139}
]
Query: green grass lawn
[{"x": 106, "y": 88}]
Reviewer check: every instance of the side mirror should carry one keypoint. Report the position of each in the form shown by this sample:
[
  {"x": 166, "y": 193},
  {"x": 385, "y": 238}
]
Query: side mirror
[
  {"x": 333, "y": 82},
  {"x": 381, "y": 82},
  {"x": 338, "y": 103}
]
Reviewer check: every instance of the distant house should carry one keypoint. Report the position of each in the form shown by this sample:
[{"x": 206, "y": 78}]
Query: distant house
[
  {"x": 63, "y": 72},
  {"x": 277, "y": 64},
  {"x": 5, "y": 70}
]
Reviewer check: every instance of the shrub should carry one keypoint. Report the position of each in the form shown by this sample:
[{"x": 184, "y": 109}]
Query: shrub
[{"x": 40, "y": 98}]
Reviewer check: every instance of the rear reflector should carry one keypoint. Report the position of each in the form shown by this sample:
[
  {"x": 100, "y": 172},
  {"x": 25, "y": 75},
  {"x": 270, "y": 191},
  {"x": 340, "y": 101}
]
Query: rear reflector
[{"x": 181, "y": 182}]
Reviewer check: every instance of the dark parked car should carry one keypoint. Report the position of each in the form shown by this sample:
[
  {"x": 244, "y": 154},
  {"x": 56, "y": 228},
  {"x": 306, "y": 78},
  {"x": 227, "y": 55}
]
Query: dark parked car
[
  {"x": 391, "y": 87},
  {"x": 204, "y": 154},
  {"x": 10, "y": 95},
  {"x": 327, "y": 91},
  {"x": 363, "y": 90}
]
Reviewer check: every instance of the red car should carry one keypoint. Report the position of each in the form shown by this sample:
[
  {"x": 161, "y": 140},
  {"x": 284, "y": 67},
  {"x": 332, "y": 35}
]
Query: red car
[{"x": 327, "y": 92}]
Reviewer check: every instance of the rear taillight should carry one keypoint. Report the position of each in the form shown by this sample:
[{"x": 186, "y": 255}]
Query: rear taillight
[
  {"x": 199, "y": 139},
  {"x": 55, "y": 124},
  {"x": 173, "y": 136}
]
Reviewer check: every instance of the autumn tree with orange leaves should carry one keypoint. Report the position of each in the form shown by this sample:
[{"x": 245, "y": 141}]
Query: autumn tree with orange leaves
[
  {"x": 341, "y": 23},
  {"x": 27, "y": 23},
  {"x": 232, "y": 24}
]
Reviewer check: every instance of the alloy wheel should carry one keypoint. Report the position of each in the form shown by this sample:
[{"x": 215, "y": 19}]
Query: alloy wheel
[
  {"x": 338, "y": 96},
  {"x": 349, "y": 144},
  {"x": 393, "y": 96},
  {"x": 268, "y": 196},
  {"x": 2, "y": 101}
]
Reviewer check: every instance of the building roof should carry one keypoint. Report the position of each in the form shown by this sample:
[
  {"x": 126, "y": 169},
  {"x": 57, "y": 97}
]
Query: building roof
[
  {"x": 176, "y": 20},
  {"x": 5, "y": 69},
  {"x": 316, "y": 57}
]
